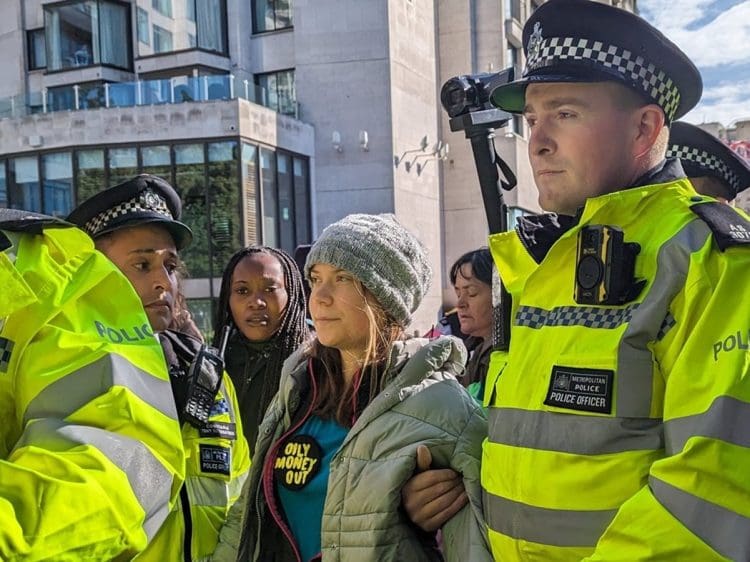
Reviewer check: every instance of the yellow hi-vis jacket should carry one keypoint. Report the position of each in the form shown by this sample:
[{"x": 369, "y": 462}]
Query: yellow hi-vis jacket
[
  {"x": 217, "y": 464},
  {"x": 91, "y": 458},
  {"x": 623, "y": 432}
]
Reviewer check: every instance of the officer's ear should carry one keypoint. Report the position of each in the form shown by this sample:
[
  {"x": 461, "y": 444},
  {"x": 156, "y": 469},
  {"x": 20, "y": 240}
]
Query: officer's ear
[{"x": 651, "y": 133}]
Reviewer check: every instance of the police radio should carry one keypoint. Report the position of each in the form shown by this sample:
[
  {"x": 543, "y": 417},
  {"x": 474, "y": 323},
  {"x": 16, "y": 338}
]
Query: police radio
[
  {"x": 605, "y": 267},
  {"x": 204, "y": 380}
]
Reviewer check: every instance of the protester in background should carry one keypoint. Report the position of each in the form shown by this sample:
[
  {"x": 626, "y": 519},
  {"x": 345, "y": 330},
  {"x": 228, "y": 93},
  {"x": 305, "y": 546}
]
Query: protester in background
[
  {"x": 471, "y": 277},
  {"x": 136, "y": 225},
  {"x": 340, "y": 438},
  {"x": 90, "y": 451},
  {"x": 713, "y": 168},
  {"x": 262, "y": 301}
]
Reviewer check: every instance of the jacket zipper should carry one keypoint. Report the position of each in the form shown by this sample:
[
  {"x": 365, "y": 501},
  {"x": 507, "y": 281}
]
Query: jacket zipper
[{"x": 267, "y": 475}]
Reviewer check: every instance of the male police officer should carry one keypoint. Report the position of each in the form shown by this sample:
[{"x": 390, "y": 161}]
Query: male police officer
[
  {"x": 713, "y": 168},
  {"x": 618, "y": 427},
  {"x": 90, "y": 446},
  {"x": 136, "y": 225}
]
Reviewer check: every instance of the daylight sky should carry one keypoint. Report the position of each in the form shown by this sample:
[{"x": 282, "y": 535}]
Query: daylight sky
[{"x": 715, "y": 34}]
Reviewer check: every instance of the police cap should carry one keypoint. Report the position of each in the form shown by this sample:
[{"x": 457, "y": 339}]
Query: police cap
[
  {"x": 144, "y": 199},
  {"x": 702, "y": 154},
  {"x": 585, "y": 41}
]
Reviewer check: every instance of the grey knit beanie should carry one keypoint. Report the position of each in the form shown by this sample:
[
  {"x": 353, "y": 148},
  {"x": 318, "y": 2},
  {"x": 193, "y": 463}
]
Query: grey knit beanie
[{"x": 383, "y": 255}]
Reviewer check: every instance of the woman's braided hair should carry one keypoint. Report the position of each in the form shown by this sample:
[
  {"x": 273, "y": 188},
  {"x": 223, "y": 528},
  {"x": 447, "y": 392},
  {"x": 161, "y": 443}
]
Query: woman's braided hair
[{"x": 293, "y": 329}]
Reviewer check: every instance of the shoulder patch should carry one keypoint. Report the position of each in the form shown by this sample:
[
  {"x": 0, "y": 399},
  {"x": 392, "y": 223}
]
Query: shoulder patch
[{"x": 728, "y": 226}]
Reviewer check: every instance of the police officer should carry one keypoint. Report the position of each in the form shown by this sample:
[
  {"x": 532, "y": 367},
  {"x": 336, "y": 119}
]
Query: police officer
[
  {"x": 136, "y": 225},
  {"x": 713, "y": 168},
  {"x": 617, "y": 428},
  {"x": 90, "y": 450}
]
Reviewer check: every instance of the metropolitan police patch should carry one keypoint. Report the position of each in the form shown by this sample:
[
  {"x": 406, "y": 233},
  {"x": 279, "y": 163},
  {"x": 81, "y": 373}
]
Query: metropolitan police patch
[
  {"x": 576, "y": 388},
  {"x": 215, "y": 459}
]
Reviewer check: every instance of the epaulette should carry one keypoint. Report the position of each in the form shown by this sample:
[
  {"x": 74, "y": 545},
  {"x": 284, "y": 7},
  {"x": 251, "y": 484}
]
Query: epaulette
[
  {"x": 729, "y": 227},
  {"x": 15, "y": 220}
]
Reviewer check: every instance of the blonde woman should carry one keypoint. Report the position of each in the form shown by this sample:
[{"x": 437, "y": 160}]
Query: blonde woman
[{"x": 340, "y": 438}]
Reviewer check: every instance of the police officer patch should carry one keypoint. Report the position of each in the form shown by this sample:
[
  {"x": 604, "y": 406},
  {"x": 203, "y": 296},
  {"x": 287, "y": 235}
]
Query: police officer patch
[
  {"x": 576, "y": 388},
  {"x": 297, "y": 462},
  {"x": 728, "y": 226},
  {"x": 215, "y": 459}
]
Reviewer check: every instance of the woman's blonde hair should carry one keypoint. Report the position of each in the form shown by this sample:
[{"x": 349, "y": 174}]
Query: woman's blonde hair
[{"x": 344, "y": 402}]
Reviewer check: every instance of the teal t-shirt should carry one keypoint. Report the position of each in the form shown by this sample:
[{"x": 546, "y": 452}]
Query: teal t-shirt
[{"x": 301, "y": 472}]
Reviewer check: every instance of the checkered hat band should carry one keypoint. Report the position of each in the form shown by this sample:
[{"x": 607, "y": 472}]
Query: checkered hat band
[
  {"x": 706, "y": 161},
  {"x": 588, "y": 316},
  {"x": 147, "y": 202},
  {"x": 654, "y": 82}
]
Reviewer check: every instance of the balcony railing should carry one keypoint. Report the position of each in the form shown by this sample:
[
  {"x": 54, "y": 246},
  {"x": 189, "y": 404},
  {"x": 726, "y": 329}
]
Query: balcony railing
[{"x": 144, "y": 92}]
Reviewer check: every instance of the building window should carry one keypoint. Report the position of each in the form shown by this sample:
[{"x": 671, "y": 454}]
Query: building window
[
  {"x": 87, "y": 32},
  {"x": 57, "y": 182},
  {"x": 302, "y": 210},
  {"x": 189, "y": 24},
  {"x": 91, "y": 176},
  {"x": 286, "y": 202},
  {"x": 143, "y": 27},
  {"x": 269, "y": 197},
  {"x": 156, "y": 160},
  {"x": 162, "y": 40},
  {"x": 271, "y": 15},
  {"x": 23, "y": 188},
  {"x": 250, "y": 191},
  {"x": 190, "y": 182},
  {"x": 278, "y": 91},
  {"x": 3, "y": 186},
  {"x": 37, "y": 49},
  {"x": 164, "y": 7},
  {"x": 123, "y": 164},
  {"x": 224, "y": 203}
]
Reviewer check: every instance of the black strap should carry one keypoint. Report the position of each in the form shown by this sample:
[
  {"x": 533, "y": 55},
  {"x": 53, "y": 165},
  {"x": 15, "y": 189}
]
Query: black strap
[{"x": 728, "y": 226}]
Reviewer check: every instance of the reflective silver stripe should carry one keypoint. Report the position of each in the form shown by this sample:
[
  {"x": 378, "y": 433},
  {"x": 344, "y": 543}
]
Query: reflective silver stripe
[
  {"x": 578, "y": 435},
  {"x": 150, "y": 481},
  {"x": 555, "y": 527},
  {"x": 727, "y": 532},
  {"x": 727, "y": 419},
  {"x": 69, "y": 393},
  {"x": 207, "y": 491},
  {"x": 589, "y": 316},
  {"x": 634, "y": 360}
]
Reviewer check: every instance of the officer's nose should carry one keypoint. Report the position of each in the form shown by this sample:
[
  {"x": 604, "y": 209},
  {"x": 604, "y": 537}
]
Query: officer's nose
[
  {"x": 540, "y": 141},
  {"x": 164, "y": 280}
]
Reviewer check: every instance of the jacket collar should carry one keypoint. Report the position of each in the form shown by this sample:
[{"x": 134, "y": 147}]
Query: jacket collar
[{"x": 538, "y": 233}]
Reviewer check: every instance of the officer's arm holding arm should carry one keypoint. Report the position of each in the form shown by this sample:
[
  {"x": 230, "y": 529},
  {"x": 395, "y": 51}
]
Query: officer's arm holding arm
[
  {"x": 91, "y": 456},
  {"x": 697, "y": 502}
]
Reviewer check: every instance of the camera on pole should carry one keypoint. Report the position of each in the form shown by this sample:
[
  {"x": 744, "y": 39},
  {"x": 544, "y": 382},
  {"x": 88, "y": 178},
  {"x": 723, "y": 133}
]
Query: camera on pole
[{"x": 466, "y": 99}]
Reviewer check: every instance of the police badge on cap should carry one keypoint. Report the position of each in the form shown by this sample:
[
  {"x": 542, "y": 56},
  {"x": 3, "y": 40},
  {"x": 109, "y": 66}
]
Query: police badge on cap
[
  {"x": 141, "y": 200},
  {"x": 702, "y": 154},
  {"x": 585, "y": 41}
]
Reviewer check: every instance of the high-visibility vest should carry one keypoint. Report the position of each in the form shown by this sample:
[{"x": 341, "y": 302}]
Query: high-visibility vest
[
  {"x": 217, "y": 464},
  {"x": 91, "y": 457},
  {"x": 622, "y": 432}
]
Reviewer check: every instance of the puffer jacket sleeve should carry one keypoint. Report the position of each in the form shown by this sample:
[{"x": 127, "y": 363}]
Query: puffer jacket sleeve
[
  {"x": 465, "y": 535},
  {"x": 91, "y": 457}
]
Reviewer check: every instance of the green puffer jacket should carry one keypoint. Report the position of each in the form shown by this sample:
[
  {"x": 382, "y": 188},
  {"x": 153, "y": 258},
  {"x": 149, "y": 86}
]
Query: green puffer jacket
[{"x": 362, "y": 516}]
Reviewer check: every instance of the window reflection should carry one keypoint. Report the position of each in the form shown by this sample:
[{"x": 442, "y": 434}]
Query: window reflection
[
  {"x": 57, "y": 171},
  {"x": 24, "y": 185},
  {"x": 223, "y": 182},
  {"x": 269, "y": 197},
  {"x": 190, "y": 182},
  {"x": 177, "y": 25},
  {"x": 91, "y": 178},
  {"x": 87, "y": 32}
]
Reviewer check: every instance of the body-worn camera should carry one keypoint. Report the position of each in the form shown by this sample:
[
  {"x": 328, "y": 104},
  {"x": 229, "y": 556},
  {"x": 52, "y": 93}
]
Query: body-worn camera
[{"x": 605, "y": 267}]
